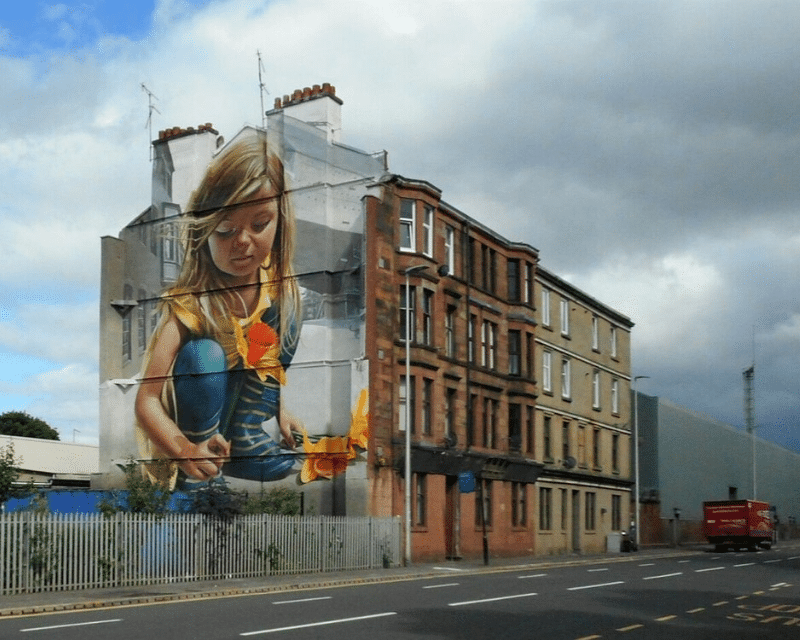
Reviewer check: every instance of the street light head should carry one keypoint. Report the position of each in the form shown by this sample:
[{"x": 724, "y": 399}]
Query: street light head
[{"x": 415, "y": 268}]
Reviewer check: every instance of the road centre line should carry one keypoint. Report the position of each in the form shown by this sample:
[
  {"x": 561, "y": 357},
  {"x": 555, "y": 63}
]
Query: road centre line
[
  {"x": 533, "y": 575},
  {"x": 466, "y": 602},
  {"x": 683, "y": 561},
  {"x": 648, "y": 564},
  {"x": 630, "y": 627},
  {"x": 708, "y": 569},
  {"x": 453, "y": 569},
  {"x": 595, "y": 586},
  {"x": 665, "y": 618},
  {"x": 596, "y": 570},
  {"x": 771, "y": 561},
  {"x": 744, "y": 564},
  {"x": 720, "y": 603},
  {"x": 439, "y": 586},
  {"x": 76, "y": 624},
  {"x": 665, "y": 575},
  {"x": 302, "y": 600},
  {"x": 698, "y": 610},
  {"x": 317, "y": 624}
]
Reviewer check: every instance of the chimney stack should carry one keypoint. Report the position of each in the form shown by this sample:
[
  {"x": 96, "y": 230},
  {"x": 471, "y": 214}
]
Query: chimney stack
[{"x": 317, "y": 105}]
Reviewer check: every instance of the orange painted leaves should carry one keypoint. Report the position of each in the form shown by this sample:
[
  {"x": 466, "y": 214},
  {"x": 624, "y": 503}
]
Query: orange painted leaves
[
  {"x": 330, "y": 455},
  {"x": 260, "y": 338},
  {"x": 359, "y": 421},
  {"x": 326, "y": 458}
]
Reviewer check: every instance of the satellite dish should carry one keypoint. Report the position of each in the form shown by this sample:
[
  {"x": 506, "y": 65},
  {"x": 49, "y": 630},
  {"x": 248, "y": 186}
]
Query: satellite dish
[{"x": 570, "y": 462}]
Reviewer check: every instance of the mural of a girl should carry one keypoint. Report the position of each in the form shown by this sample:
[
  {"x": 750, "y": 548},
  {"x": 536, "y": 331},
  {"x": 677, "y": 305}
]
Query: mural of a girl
[{"x": 229, "y": 328}]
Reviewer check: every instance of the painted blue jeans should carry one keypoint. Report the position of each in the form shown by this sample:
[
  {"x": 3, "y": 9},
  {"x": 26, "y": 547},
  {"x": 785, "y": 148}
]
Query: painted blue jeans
[{"x": 213, "y": 399}]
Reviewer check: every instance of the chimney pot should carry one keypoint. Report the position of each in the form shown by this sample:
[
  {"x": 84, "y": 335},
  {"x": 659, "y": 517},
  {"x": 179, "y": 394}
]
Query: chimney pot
[{"x": 277, "y": 103}]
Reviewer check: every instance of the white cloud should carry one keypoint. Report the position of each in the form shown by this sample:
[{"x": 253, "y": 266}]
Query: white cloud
[
  {"x": 67, "y": 399},
  {"x": 645, "y": 150},
  {"x": 667, "y": 299},
  {"x": 57, "y": 332}
]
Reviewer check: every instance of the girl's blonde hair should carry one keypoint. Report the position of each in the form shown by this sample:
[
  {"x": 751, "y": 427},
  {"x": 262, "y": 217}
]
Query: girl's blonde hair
[{"x": 235, "y": 177}]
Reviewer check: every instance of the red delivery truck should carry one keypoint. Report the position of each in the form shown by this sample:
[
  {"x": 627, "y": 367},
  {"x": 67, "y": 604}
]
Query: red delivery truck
[{"x": 737, "y": 524}]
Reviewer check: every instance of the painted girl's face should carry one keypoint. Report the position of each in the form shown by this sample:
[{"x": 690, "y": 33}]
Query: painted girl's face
[{"x": 241, "y": 242}]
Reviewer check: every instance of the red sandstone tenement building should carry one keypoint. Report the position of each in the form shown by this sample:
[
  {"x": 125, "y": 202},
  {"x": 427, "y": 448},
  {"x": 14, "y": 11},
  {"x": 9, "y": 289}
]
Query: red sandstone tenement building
[{"x": 517, "y": 379}]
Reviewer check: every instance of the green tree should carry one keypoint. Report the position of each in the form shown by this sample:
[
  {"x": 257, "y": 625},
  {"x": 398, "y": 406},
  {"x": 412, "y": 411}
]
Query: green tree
[
  {"x": 218, "y": 500},
  {"x": 8, "y": 472},
  {"x": 141, "y": 495},
  {"x": 19, "y": 423},
  {"x": 280, "y": 501}
]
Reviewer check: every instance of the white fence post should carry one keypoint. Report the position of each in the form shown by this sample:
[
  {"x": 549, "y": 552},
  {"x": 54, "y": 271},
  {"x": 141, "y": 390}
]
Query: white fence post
[{"x": 57, "y": 551}]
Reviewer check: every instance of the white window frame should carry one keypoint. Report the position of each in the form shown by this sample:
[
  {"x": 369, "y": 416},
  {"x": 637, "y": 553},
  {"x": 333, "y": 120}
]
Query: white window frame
[
  {"x": 545, "y": 307},
  {"x": 471, "y": 338},
  {"x": 527, "y": 293},
  {"x": 547, "y": 371},
  {"x": 564, "y": 317},
  {"x": 566, "y": 378},
  {"x": 615, "y": 396},
  {"x": 484, "y": 342},
  {"x": 412, "y": 313},
  {"x": 409, "y": 223},
  {"x": 427, "y": 230},
  {"x": 492, "y": 346},
  {"x": 595, "y": 333},
  {"x": 402, "y": 398},
  {"x": 596, "y": 389},
  {"x": 450, "y": 249},
  {"x": 450, "y": 332},
  {"x": 427, "y": 316}
]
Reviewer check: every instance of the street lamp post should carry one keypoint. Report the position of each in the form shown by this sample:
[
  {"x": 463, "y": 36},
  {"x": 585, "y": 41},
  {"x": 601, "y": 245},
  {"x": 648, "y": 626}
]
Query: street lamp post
[
  {"x": 636, "y": 454},
  {"x": 407, "y": 517}
]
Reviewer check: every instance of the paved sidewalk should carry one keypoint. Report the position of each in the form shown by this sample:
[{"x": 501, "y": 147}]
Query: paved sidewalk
[{"x": 54, "y": 601}]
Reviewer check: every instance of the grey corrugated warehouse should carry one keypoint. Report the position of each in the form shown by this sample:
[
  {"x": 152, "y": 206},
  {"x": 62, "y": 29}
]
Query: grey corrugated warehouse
[{"x": 687, "y": 458}]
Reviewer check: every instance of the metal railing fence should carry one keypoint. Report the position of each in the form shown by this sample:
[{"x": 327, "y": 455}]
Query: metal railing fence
[{"x": 54, "y": 552}]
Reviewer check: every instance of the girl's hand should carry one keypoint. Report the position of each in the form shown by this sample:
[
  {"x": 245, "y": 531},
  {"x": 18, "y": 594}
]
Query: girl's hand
[
  {"x": 288, "y": 422},
  {"x": 203, "y": 460}
]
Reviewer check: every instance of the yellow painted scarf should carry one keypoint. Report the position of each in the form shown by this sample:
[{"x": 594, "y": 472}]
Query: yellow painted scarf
[{"x": 247, "y": 342}]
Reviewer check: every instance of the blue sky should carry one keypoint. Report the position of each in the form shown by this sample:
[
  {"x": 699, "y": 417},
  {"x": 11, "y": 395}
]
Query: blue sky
[
  {"x": 650, "y": 151},
  {"x": 43, "y": 28}
]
